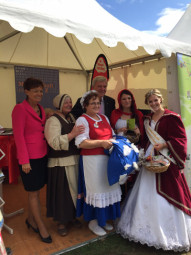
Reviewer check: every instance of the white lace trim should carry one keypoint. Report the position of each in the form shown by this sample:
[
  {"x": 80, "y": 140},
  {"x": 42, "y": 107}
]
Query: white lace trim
[
  {"x": 101, "y": 200},
  {"x": 158, "y": 224},
  {"x": 170, "y": 247}
]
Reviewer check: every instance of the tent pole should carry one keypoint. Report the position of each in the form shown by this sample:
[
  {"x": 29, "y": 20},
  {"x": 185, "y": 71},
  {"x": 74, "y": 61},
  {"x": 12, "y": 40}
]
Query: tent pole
[
  {"x": 9, "y": 36},
  {"x": 134, "y": 61},
  {"x": 11, "y": 65},
  {"x": 87, "y": 80},
  {"x": 76, "y": 57}
]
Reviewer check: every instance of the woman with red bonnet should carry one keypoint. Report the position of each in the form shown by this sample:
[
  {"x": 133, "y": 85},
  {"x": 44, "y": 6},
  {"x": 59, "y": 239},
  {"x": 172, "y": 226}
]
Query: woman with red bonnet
[
  {"x": 119, "y": 121},
  {"x": 127, "y": 110}
]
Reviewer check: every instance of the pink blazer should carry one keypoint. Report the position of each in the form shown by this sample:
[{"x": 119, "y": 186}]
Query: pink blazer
[{"x": 28, "y": 130}]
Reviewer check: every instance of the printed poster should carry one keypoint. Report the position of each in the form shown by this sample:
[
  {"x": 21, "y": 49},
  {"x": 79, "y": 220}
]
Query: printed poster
[
  {"x": 184, "y": 79},
  {"x": 49, "y": 77}
]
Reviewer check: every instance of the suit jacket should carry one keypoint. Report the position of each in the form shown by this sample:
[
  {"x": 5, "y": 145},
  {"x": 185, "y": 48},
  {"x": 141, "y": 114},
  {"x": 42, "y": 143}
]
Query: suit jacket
[
  {"x": 109, "y": 106},
  {"x": 28, "y": 130}
]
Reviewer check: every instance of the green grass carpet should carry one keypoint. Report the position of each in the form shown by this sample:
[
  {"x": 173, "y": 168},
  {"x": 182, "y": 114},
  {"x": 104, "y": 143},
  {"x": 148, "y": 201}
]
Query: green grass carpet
[{"x": 114, "y": 244}]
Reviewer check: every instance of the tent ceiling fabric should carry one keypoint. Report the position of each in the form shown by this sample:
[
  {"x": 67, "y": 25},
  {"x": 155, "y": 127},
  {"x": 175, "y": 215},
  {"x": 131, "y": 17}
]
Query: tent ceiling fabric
[
  {"x": 40, "y": 47},
  {"x": 80, "y": 29}
]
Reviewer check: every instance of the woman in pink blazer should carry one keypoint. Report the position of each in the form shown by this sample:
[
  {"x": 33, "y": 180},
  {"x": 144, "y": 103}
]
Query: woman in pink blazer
[{"x": 28, "y": 119}]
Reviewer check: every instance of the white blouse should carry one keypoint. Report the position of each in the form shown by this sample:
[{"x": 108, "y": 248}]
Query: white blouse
[{"x": 82, "y": 121}]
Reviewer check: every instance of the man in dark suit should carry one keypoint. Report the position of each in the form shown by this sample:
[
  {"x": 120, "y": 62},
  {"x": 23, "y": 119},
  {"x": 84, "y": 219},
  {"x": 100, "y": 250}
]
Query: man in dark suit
[{"x": 107, "y": 103}]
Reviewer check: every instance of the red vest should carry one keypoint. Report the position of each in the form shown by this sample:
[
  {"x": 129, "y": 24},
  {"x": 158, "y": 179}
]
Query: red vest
[{"x": 97, "y": 131}]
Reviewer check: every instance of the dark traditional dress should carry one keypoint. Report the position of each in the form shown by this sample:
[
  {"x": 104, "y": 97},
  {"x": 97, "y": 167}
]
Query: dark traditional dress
[
  {"x": 157, "y": 212},
  {"x": 62, "y": 169}
]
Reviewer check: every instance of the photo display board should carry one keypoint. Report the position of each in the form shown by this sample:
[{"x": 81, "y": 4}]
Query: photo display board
[
  {"x": 49, "y": 77},
  {"x": 184, "y": 81}
]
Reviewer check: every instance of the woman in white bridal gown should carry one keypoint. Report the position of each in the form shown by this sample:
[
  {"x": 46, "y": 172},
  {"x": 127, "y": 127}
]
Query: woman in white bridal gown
[{"x": 158, "y": 209}]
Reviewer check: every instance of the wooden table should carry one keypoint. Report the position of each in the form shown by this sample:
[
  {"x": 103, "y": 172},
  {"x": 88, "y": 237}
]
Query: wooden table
[{"x": 7, "y": 146}]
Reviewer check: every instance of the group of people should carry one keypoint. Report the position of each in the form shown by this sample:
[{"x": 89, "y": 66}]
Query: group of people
[{"x": 157, "y": 209}]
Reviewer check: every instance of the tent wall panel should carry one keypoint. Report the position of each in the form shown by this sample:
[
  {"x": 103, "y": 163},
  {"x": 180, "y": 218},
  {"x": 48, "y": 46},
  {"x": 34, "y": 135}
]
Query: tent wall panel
[
  {"x": 72, "y": 84},
  {"x": 138, "y": 78},
  {"x": 142, "y": 77},
  {"x": 172, "y": 84},
  {"x": 116, "y": 83},
  {"x": 7, "y": 95}
]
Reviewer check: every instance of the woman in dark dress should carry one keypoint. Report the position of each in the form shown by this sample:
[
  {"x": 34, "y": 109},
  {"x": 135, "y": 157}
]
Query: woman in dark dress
[{"x": 60, "y": 131}]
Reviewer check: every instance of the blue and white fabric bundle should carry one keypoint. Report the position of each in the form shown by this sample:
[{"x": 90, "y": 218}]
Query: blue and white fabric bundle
[{"x": 123, "y": 158}]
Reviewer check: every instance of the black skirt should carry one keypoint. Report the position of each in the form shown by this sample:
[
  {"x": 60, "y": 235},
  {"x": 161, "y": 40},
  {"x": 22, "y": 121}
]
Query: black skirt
[
  {"x": 60, "y": 205},
  {"x": 37, "y": 177}
]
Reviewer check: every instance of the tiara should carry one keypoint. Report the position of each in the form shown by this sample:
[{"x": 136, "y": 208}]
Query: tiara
[{"x": 85, "y": 95}]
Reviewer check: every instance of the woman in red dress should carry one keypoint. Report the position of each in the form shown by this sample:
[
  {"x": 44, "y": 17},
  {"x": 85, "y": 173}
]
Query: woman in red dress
[
  {"x": 128, "y": 110},
  {"x": 101, "y": 202}
]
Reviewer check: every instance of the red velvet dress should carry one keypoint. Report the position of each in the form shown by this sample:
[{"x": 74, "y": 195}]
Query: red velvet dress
[
  {"x": 157, "y": 211},
  {"x": 172, "y": 184}
]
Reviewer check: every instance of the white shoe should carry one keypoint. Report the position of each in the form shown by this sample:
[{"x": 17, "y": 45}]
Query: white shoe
[
  {"x": 108, "y": 226},
  {"x": 93, "y": 226}
]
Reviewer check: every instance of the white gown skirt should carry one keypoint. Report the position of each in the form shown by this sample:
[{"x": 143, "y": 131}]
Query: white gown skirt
[{"x": 150, "y": 219}]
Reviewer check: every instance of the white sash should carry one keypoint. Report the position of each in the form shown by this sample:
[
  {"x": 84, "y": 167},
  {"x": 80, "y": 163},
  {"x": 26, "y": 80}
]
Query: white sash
[{"x": 155, "y": 138}]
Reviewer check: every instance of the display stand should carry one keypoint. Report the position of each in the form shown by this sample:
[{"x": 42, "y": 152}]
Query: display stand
[
  {"x": 5, "y": 215},
  {"x": 2, "y": 246}
]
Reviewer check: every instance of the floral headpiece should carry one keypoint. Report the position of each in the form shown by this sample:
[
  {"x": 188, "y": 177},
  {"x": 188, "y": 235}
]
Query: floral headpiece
[{"x": 85, "y": 95}]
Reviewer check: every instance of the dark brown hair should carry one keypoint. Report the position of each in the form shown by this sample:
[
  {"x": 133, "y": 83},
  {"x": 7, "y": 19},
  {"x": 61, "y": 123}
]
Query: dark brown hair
[
  {"x": 31, "y": 83},
  {"x": 87, "y": 99}
]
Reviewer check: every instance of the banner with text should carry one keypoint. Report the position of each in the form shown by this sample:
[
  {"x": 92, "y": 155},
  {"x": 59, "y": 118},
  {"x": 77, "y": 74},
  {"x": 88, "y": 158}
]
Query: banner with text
[
  {"x": 184, "y": 79},
  {"x": 49, "y": 77}
]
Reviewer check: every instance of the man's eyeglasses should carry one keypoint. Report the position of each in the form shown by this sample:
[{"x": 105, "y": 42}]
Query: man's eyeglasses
[{"x": 94, "y": 103}]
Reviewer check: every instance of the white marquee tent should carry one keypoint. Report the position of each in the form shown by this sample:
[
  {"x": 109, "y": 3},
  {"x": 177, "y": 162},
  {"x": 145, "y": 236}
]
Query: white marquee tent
[
  {"x": 69, "y": 35},
  {"x": 80, "y": 22},
  {"x": 181, "y": 32}
]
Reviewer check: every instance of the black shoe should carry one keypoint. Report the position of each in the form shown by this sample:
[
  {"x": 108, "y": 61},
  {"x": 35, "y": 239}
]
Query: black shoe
[
  {"x": 76, "y": 223},
  {"x": 36, "y": 230},
  {"x": 8, "y": 251},
  {"x": 46, "y": 239}
]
